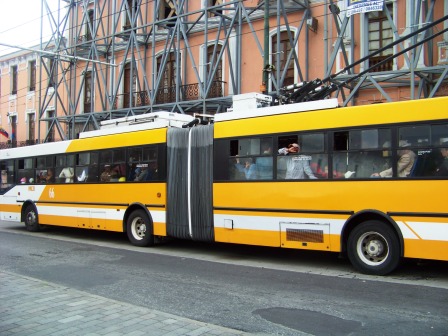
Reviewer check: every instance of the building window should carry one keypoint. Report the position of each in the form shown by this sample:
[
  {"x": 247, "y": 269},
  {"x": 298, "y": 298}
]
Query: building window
[
  {"x": 88, "y": 92},
  {"x": 89, "y": 25},
  {"x": 129, "y": 85},
  {"x": 130, "y": 13},
  {"x": 14, "y": 79},
  {"x": 281, "y": 48},
  {"x": 212, "y": 55},
  {"x": 52, "y": 73},
  {"x": 167, "y": 87},
  {"x": 50, "y": 135},
  {"x": 13, "y": 137},
  {"x": 31, "y": 128},
  {"x": 167, "y": 10},
  {"x": 32, "y": 75},
  {"x": 380, "y": 35},
  {"x": 216, "y": 11}
]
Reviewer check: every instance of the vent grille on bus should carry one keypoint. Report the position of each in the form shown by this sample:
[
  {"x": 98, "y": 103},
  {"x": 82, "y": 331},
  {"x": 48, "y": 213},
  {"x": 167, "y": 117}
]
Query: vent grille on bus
[{"x": 310, "y": 236}]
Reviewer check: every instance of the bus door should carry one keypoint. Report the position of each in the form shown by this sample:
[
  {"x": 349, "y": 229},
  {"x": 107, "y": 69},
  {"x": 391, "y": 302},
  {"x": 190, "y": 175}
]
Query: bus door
[{"x": 189, "y": 183}]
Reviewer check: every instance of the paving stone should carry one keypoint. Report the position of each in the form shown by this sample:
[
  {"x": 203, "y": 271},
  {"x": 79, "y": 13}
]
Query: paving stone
[{"x": 33, "y": 307}]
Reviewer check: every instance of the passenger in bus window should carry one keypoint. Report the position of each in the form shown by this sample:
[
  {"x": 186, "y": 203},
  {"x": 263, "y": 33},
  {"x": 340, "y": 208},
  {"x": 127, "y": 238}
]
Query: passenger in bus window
[
  {"x": 84, "y": 174},
  {"x": 4, "y": 177},
  {"x": 49, "y": 177},
  {"x": 248, "y": 168},
  {"x": 118, "y": 171},
  {"x": 40, "y": 176},
  {"x": 68, "y": 174},
  {"x": 297, "y": 166},
  {"x": 142, "y": 172},
  {"x": 132, "y": 171},
  {"x": 264, "y": 163},
  {"x": 442, "y": 169},
  {"x": 106, "y": 174},
  {"x": 153, "y": 171},
  {"x": 405, "y": 162}
]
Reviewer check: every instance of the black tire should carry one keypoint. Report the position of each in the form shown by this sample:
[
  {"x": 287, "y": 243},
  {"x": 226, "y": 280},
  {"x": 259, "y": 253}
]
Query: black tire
[
  {"x": 139, "y": 229},
  {"x": 31, "y": 219},
  {"x": 373, "y": 248}
]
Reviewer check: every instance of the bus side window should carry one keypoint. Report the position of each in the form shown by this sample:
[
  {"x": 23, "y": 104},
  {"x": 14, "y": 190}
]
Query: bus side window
[
  {"x": 250, "y": 159},
  {"x": 134, "y": 157},
  {"x": 93, "y": 168},
  {"x": 221, "y": 161},
  {"x": 313, "y": 146},
  {"x": 429, "y": 160},
  {"x": 25, "y": 171},
  {"x": 50, "y": 176},
  {"x": 65, "y": 171},
  {"x": 264, "y": 162},
  {"x": 150, "y": 158},
  {"x": 302, "y": 156},
  {"x": 86, "y": 167},
  {"x": 118, "y": 165},
  {"x": 426, "y": 162},
  {"x": 45, "y": 175},
  {"x": 106, "y": 158},
  {"x": 7, "y": 175},
  {"x": 361, "y": 153}
]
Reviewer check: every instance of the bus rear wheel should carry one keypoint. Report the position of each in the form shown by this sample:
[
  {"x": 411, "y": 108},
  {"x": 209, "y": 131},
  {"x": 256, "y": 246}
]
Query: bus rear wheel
[
  {"x": 31, "y": 219},
  {"x": 373, "y": 248},
  {"x": 139, "y": 229}
]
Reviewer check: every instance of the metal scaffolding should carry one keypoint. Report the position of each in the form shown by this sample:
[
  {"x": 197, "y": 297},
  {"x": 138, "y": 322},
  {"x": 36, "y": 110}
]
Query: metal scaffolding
[{"x": 100, "y": 38}]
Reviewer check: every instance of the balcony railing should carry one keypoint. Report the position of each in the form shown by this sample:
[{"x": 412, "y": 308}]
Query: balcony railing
[
  {"x": 138, "y": 99},
  {"x": 167, "y": 95},
  {"x": 188, "y": 92},
  {"x": 386, "y": 66}
]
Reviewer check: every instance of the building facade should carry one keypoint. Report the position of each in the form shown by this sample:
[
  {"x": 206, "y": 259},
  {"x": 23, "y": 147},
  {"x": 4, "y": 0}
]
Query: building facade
[
  {"x": 18, "y": 98},
  {"x": 114, "y": 58}
]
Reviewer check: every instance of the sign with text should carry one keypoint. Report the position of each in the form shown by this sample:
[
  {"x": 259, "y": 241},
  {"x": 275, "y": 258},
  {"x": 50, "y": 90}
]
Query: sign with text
[{"x": 363, "y": 6}]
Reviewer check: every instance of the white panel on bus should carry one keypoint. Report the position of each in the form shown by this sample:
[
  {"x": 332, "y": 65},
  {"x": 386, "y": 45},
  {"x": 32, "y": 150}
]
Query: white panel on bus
[{"x": 280, "y": 109}]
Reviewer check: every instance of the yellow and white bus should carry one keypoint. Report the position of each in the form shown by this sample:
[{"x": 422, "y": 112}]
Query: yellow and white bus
[{"x": 238, "y": 179}]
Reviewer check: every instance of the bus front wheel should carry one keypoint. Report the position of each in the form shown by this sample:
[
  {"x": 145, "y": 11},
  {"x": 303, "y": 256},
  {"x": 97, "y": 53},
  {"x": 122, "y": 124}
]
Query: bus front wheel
[
  {"x": 373, "y": 248},
  {"x": 139, "y": 229},
  {"x": 31, "y": 219}
]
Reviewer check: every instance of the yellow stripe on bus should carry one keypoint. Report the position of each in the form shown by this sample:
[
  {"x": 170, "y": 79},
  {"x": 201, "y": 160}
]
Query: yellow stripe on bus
[{"x": 119, "y": 140}]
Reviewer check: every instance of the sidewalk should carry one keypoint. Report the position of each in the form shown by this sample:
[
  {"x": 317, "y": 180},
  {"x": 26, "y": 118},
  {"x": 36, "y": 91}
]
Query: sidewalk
[{"x": 33, "y": 307}]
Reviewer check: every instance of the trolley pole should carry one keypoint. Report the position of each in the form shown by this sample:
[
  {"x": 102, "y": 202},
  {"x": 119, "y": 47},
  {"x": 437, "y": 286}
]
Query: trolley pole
[{"x": 264, "y": 86}]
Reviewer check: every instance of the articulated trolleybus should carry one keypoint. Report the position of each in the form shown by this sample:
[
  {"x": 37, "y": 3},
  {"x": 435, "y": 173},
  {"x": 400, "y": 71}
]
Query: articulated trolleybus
[{"x": 368, "y": 181}]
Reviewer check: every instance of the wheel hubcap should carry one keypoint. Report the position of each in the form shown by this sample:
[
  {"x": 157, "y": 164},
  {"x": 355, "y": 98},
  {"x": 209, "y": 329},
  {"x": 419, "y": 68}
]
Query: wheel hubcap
[
  {"x": 372, "y": 248},
  {"x": 139, "y": 228},
  {"x": 31, "y": 218}
]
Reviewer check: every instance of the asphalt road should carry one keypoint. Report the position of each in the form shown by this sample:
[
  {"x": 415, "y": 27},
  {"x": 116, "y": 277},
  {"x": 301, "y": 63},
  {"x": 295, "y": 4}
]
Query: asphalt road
[{"x": 258, "y": 290}]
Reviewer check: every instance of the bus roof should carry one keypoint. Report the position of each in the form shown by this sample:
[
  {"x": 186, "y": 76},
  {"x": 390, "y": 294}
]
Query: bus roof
[
  {"x": 138, "y": 123},
  {"x": 252, "y": 112}
]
